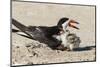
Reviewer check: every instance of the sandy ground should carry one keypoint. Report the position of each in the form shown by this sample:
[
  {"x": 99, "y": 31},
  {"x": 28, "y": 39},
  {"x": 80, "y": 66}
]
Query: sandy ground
[{"x": 27, "y": 51}]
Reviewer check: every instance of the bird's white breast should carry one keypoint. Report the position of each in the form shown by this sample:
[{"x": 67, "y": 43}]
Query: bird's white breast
[{"x": 64, "y": 39}]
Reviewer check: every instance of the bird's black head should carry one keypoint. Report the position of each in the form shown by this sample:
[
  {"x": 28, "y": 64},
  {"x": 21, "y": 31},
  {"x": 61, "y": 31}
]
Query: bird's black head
[
  {"x": 64, "y": 22},
  {"x": 61, "y": 21}
]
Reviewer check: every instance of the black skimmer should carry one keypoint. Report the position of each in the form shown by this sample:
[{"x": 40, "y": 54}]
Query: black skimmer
[
  {"x": 65, "y": 34},
  {"x": 47, "y": 33},
  {"x": 73, "y": 41},
  {"x": 70, "y": 41}
]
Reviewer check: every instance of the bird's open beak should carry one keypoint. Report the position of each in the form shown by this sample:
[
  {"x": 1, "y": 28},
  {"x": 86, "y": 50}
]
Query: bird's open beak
[{"x": 72, "y": 24}]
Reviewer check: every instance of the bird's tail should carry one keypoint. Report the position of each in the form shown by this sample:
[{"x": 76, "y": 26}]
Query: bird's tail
[{"x": 20, "y": 26}]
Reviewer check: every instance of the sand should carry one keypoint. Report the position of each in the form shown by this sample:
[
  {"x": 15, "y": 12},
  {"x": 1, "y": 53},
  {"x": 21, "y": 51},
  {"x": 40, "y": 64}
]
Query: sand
[{"x": 27, "y": 51}]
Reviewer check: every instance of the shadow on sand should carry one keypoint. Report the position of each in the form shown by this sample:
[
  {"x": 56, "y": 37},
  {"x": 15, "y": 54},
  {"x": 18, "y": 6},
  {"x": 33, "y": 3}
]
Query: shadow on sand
[{"x": 85, "y": 48}]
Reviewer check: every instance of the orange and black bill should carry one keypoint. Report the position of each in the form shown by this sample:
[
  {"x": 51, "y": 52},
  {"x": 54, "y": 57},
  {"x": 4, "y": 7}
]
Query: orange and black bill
[{"x": 71, "y": 24}]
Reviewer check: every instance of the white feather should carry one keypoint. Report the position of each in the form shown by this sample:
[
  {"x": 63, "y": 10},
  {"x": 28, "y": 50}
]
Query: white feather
[
  {"x": 63, "y": 39},
  {"x": 65, "y": 24},
  {"x": 21, "y": 33},
  {"x": 58, "y": 37}
]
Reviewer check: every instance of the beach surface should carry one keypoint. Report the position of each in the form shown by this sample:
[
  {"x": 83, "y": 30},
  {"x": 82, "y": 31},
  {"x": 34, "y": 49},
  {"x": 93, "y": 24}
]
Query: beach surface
[{"x": 26, "y": 51}]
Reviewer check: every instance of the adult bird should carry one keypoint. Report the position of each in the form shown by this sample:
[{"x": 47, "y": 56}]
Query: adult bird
[{"x": 46, "y": 34}]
